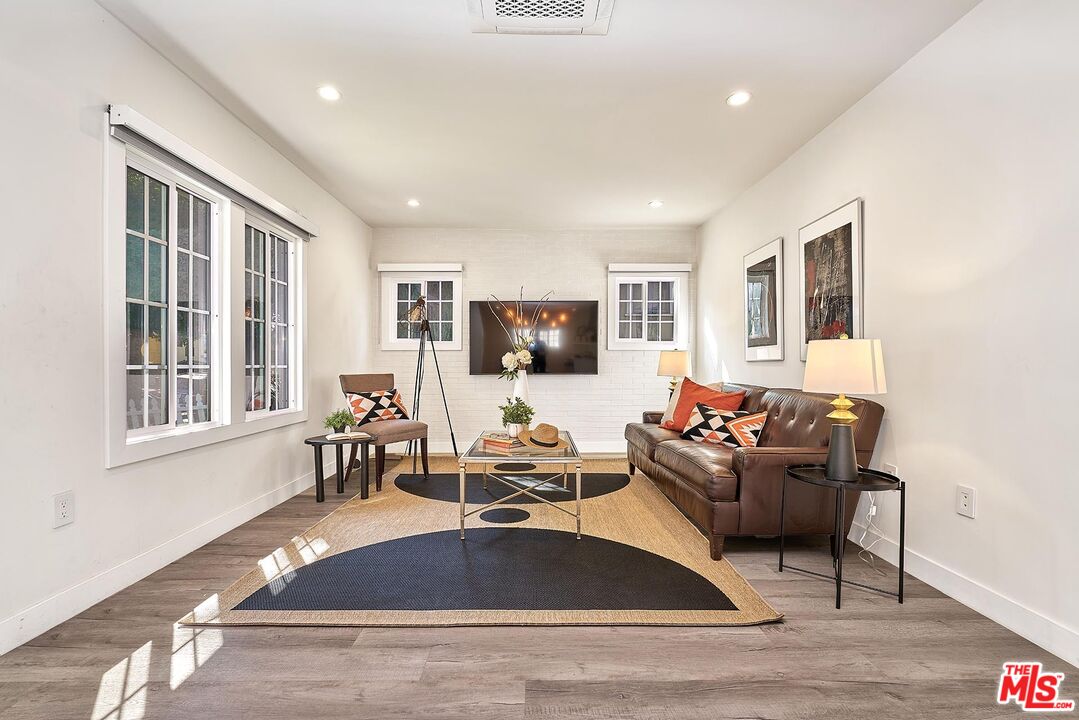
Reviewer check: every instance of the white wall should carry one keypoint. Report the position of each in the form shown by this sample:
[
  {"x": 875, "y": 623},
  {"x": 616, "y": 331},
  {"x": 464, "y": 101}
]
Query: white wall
[
  {"x": 572, "y": 264},
  {"x": 61, "y": 63},
  {"x": 968, "y": 161}
]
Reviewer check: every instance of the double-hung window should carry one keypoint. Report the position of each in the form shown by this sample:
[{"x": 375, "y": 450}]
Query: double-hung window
[
  {"x": 402, "y": 286},
  {"x": 172, "y": 296},
  {"x": 269, "y": 318},
  {"x": 648, "y": 307}
]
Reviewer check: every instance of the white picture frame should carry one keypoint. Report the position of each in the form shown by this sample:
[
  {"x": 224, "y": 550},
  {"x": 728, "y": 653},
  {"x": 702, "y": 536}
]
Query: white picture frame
[
  {"x": 762, "y": 303},
  {"x": 833, "y": 304}
]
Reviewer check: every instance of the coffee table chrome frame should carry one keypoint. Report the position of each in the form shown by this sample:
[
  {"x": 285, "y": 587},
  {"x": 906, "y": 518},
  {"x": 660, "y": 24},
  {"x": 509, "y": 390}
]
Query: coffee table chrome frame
[{"x": 539, "y": 459}]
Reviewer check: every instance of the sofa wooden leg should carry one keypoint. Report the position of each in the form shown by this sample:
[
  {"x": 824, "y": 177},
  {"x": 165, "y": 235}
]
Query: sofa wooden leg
[
  {"x": 423, "y": 456},
  {"x": 715, "y": 546},
  {"x": 632, "y": 469},
  {"x": 380, "y": 466}
]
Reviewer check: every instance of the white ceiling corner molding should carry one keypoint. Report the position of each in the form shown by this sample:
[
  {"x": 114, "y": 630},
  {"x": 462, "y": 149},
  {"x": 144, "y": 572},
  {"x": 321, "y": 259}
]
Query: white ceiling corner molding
[
  {"x": 650, "y": 267},
  {"x": 123, "y": 116},
  {"x": 541, "y": 17}
]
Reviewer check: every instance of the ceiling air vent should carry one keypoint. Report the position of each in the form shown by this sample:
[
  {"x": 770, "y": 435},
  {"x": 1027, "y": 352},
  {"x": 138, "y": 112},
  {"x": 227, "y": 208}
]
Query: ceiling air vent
[{"x": 541, "y": 17}]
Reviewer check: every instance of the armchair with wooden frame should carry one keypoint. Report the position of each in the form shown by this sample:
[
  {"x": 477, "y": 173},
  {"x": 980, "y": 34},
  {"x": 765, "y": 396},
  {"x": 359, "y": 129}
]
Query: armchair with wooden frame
[{"x": 384, "y": 432}]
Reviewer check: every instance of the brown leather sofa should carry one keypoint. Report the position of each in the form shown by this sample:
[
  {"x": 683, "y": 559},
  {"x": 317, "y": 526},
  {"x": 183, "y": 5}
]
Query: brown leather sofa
[{"x": 736, "y": 491}]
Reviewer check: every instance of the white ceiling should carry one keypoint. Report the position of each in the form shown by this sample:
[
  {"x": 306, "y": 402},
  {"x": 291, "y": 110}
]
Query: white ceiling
[{"x": 547, "y": 131}]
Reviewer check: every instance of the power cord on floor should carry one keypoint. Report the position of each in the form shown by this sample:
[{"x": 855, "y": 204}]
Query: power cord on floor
[{"x": 865, "y": 554}]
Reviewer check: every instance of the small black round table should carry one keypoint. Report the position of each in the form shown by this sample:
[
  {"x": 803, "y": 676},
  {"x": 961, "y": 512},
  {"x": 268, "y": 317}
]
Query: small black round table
[
  {"x": 319, "y": 442},
  {"x": 868, "y": 481}
]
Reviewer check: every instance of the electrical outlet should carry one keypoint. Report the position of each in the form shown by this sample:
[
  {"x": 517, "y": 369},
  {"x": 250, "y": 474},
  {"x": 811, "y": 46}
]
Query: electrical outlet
[
  {"x": 964, "y": 501},
  {"x": 63, "y": 508},
  {"x": 891, "y": 469}
]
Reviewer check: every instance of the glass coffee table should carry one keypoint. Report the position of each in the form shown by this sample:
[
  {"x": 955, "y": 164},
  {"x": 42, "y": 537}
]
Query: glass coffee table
[{"x": 479, "y": 454}]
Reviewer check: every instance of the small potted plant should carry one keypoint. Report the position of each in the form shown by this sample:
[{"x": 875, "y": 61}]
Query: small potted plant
[
  {"x": 339, "y": 420},
  {"x": 516, "y": 415}
]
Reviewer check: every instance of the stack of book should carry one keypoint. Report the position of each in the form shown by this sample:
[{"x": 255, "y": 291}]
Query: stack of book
[{"x": 502, "y": 442}]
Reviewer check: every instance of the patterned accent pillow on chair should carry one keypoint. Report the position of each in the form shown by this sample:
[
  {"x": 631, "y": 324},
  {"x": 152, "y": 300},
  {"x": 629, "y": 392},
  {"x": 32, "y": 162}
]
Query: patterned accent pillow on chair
[
  {"x": 376, "y": 405},
  {"x": 733, "y": 428}
]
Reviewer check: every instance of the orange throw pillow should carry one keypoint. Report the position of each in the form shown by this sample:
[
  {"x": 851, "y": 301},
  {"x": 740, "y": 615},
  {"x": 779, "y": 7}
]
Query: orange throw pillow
[{"x": 691, "y": 393}]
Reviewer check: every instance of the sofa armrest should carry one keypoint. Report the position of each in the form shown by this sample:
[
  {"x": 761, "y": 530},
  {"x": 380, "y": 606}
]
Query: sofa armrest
[
  {"x": 652, "y": 416},
  {"x": 764, "y": 459},
  {"x": 760, "y": 458}
]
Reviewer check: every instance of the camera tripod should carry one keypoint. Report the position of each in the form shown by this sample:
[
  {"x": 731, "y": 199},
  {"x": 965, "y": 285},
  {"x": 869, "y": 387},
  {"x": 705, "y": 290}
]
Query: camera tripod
[{"x": 418, "y": 313}]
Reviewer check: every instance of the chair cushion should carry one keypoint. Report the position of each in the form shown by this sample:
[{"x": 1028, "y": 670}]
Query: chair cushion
[
  {"x": 384, "y": 432},
  {"x": 705, "y": 466},
  {"x": 645, "y": 437}
]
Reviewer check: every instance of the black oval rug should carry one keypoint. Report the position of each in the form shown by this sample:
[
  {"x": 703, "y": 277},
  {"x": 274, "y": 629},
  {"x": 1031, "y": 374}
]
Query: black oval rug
[
  {"x": 493, "y": 569},
  {"x": 443, "y": 486},
  {"x": 506, "y": 515}
]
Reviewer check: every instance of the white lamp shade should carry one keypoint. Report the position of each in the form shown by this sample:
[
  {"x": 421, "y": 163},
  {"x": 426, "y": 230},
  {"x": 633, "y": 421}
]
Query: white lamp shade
[
  {"x": 673, "y": 363},
  {"x": 853, "y": 367}
]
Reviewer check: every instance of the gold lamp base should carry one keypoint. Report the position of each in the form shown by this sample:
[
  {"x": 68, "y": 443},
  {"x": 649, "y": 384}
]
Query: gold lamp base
[{"x": 842, "y": 414}]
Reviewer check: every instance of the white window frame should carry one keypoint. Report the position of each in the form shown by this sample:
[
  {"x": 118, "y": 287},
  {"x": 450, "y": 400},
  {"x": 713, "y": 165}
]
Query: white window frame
[
  {"x": 620, "y": 274},
  {"x": 295, "y": 252},
  {"x": 229, "y": 420},
  {"x": 218, "y": 263},
  {"x": 391, "y": 275}
]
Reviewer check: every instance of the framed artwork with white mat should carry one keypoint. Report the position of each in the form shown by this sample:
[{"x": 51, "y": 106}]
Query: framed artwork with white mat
[
  {"x": 830, "y": 276},
  {"x": 762, "y": 297}
]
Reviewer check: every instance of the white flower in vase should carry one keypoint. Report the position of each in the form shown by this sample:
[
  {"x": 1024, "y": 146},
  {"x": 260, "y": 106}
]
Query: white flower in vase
[
  {"x": 523, "y": 357},
  {"x": 509, "y": 361}
]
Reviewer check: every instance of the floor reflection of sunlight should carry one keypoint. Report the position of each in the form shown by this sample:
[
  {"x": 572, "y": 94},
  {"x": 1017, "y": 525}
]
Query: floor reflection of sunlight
[
  {"x": 310, "y": 550},
  {"x": 122, "y": 693},
  {"x": 191, "y": 648},
  {"x": 275, "y": 564}
]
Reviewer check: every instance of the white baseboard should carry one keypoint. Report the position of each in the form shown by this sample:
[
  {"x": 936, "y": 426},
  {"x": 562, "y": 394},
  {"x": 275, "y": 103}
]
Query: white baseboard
[
  {"x": 1042, "y": 631},
  {"x": 40, "y": 617}
]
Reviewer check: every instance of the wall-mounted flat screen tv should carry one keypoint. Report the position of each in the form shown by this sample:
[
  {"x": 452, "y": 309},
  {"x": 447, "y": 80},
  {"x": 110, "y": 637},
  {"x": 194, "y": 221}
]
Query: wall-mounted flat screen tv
[{"x": 566, "y": 339}]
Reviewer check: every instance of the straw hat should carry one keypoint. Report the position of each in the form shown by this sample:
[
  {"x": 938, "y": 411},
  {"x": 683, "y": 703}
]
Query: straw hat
[{"x": 544, "y": 436}]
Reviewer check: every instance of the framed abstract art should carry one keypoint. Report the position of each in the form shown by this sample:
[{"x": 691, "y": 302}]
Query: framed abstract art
[
  {"x": 830, "y": 277},
  {"x": 762, "y": 295}
]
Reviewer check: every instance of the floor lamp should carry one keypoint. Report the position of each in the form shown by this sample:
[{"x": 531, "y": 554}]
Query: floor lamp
[{"x": 418, "y": 314}]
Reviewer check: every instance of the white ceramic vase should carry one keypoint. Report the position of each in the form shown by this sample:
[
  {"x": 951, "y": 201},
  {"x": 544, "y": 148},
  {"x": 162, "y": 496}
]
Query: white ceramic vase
[
  {"x": 515, "y": 429},
  {"x": 520, "y": 386}
]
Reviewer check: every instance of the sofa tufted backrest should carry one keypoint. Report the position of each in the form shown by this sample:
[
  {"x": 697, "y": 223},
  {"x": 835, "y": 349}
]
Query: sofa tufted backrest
[
  {"x": 754, "y": 394},
  {"x": 799, "y": 419}
]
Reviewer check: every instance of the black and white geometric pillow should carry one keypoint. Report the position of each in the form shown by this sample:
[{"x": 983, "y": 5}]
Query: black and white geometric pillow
[
  {"x": 376, "y": 405},
  {"x": 733, "y": 428}
]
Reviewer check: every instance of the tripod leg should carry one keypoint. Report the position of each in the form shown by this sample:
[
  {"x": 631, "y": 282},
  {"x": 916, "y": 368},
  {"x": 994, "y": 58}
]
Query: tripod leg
[
  {"x": 445, "y": 404},
  {"x": 416, "y": 390},
  {"x": 425, "y": 334}
]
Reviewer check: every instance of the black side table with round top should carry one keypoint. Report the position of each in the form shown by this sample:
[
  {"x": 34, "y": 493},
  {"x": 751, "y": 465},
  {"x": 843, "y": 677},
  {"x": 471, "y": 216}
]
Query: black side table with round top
[
  {"x": 868, "y": 481},
  {"x": 319, "y": 442}
]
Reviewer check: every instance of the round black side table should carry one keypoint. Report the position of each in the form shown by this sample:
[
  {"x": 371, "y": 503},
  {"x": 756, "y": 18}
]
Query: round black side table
[
  {"x": 319, "y": 442},
  {"x": 868, "y": 481}
]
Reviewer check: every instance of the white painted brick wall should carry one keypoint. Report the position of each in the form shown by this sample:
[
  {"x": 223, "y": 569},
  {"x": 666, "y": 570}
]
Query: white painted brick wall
[{"x": 572, "y": 264}]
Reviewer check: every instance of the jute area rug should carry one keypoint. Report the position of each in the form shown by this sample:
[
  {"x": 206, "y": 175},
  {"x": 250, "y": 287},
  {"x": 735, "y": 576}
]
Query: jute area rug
[{"x": 396, "y": 559}]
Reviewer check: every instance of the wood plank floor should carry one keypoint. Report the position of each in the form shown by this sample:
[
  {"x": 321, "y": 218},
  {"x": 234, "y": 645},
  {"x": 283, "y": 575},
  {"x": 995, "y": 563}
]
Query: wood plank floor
[{"x": 124, "y": 658}]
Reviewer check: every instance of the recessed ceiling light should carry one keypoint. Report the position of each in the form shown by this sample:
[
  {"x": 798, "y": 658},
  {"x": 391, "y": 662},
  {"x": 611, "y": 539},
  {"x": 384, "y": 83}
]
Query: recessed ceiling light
[
  {"x": 655, "y": 203},
  {"x": 329, "y": 92},
  {"x": 413, "y": 202},
  {"x": 738, "y": 97}
]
